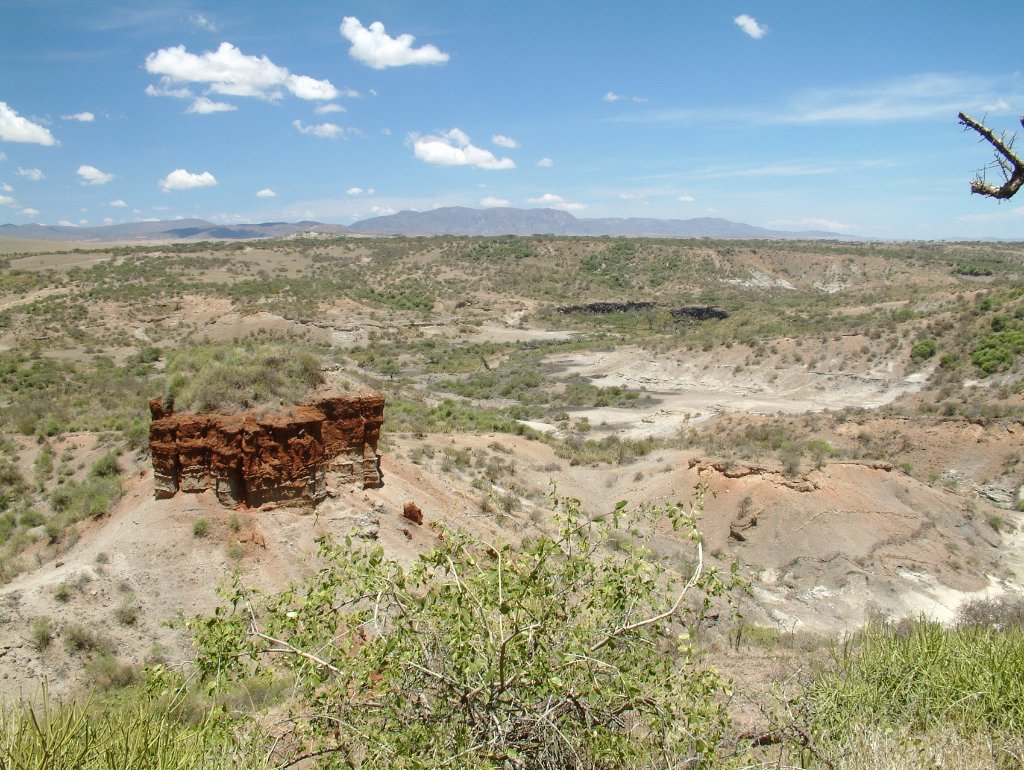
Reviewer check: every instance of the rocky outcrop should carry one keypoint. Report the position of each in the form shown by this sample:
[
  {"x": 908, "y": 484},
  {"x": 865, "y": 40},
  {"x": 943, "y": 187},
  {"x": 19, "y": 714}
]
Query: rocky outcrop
[{"x": 256, "y": 457}]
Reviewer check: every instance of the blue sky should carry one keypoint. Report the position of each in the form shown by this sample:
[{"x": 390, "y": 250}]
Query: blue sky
[{"x": 789, "y": 114}]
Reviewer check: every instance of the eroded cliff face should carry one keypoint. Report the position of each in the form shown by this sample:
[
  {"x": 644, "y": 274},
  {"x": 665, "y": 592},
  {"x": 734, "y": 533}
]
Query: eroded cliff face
[{"x": 256, "y": 457}]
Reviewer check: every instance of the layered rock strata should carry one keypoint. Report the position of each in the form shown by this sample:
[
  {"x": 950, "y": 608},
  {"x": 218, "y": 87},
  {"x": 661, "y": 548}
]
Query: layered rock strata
[{"x": 256, "y": 457}]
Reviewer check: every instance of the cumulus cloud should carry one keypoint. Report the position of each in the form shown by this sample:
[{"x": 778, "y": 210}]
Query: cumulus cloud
[
  {"x": 685, "y": 198},
  {"x": 92, "y": 175},
  {"x": 354, "y": 191},
  {"x": 14, "y": 128},
  {"x": 180, "y": 179},
  {"x": 490, "y": 202},
  {"x": 556, "y": 202},
  {"x": 266, "y": 192},
  {"x": 81, "y": 117},
  {"x": 311, "y": 89},
  {"x": 229, "y": 72},
  {"x": 321, "y": 130},
  {"x": 454, "y": 149},
  {"x": 118, "y": 204},
  {"x": 325, "y": 109},
  {"x": 204, "y": 106},
  {"x": 7, "y": 200},
  {"x": 6, "y": 187},
  {"x": 750, "y": 26},
  {"x": 31, "y": 174},
  {"x": 29, "y": 212},
  {"x": 375, "y": 48},
  {"x": 504, "y": 141},
  {"x": 545, "y": 163}
]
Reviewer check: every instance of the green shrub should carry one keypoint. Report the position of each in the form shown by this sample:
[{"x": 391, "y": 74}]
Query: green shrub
[
  {"x": 544, "y": 655},
  {"x": 41, "y": 633},
  {"x": 80, "y": 638},
  {"x": 93, "y": 497},
  {"x": 105, "y": 672},
  {"x": 922, "y": 349},
  {"x": 201, "y": 527}
]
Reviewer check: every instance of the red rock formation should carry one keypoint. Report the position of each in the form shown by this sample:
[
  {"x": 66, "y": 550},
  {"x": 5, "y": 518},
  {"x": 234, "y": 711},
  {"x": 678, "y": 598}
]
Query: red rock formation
[
  {"x": 412, "y": 512},
  {"x": 252, "y": 458}
]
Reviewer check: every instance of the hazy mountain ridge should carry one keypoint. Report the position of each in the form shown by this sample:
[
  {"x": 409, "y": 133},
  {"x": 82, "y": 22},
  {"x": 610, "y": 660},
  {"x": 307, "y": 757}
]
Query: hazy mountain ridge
[{"x": 450, "y": 220}]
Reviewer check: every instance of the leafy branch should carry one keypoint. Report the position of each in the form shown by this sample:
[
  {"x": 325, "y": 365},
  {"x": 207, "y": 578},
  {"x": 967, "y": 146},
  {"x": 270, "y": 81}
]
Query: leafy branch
[{"x": 556, "y": 653}]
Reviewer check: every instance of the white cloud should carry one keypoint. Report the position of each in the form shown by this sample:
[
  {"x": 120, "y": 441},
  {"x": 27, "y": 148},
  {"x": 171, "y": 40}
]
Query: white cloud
[
  {"x": 3, "y": 156},
  {"x": 203, "y": 23},
  {"x": 545, "y": 163},
  {"x": 14, "y": 128},
  {"x": 230, "y": 72},
  {"x": 203, "y": 106},
  {"x": 750, "y": 26},
  {"x": 66, "y": 223},
  {"x": 92, "y": 175},
  {"x": 611, "y": 96},
  {"x": 7, "y": 200},
  {"x": 685, "y": 198},
  {"x": 6, "y": 187},
  {"x": 165, "y": 89},
  {"x": 108, "y": 221},
  {"x": 556, "y": 202},
  {"x": 81, "y": 117},
  {"x": 454, "y": 149},
  {"x": 381, "y": 210},
  {"x": 354, "y": 191},
  {"x": 266, "y": 192},
  {"x": 504, "y": 141},
  {"x": 490, "y": 202},
  {"x": 375, "y": 48},
  {"x": 324, "y": 109},
  {"x": 29, "y": 212},
  {"x": 31, "y": 174},
  {"x": 180, "y": 179},
  {"x": 311, "y": 89},
  {"x": 322, "y": 130},
  {"x": 118, "y": 204},
  {"x": 631, "y": 196}
]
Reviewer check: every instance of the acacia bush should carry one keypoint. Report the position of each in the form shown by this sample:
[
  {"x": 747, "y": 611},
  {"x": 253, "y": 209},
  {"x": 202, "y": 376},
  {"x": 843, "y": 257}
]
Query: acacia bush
[{"x": 553, "y": 654}]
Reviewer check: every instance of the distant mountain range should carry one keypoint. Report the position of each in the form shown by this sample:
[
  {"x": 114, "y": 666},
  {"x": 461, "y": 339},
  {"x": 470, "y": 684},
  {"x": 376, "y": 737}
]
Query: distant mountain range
[{"x": 451, "y": 220}]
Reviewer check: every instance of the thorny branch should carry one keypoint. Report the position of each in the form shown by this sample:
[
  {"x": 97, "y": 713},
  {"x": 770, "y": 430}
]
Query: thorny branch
[{"x": 1011, "y": 166}]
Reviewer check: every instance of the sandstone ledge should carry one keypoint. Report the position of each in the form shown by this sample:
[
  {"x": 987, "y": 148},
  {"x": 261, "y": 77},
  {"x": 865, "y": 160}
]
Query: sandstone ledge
[{"x": 257, "y": 457}]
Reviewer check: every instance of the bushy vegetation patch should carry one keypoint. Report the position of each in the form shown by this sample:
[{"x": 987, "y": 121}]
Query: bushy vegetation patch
[
  {"x": 923, "y": 677},
  {"x": 546, "y": 655},
  {"x": 142, "y": 735},
  {"x": 230, "y": 377}
]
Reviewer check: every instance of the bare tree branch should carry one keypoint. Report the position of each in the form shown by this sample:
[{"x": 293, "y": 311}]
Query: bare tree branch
[{"x": 1011, "y": 166}]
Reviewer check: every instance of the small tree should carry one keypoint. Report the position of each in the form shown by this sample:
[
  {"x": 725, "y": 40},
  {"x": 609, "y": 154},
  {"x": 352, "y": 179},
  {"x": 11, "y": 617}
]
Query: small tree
[
  {"x": 555, "y": 654},
  {"x": 1010, "y": 166}
]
